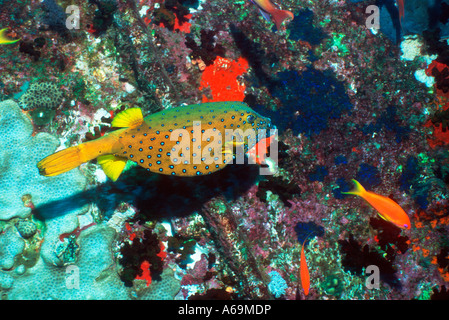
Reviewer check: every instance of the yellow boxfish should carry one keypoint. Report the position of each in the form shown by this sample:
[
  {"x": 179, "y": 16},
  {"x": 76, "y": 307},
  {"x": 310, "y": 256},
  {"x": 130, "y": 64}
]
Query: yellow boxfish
[{"x": 186, "y": 141}]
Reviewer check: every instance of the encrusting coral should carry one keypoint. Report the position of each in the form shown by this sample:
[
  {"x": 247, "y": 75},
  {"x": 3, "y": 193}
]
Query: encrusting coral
[
  {"x": 41, "y": 95},
  {"x": 27, "y": 195},
  {"x": 19, "y": 177}
]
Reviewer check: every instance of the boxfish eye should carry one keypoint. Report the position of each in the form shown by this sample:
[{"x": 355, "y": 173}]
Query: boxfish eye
[{"x": 250, "y": 118}]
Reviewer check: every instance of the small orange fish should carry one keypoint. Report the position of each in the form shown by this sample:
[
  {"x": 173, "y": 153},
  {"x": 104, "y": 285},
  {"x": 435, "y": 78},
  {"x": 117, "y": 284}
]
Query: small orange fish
[
  {"x": 387, "y": 209},
  {"x": 259, "y": 150},
  {"x": 304, "y": 271},
  {"x": 4, "y": 39},
  {"x": 267, "y": 8}
]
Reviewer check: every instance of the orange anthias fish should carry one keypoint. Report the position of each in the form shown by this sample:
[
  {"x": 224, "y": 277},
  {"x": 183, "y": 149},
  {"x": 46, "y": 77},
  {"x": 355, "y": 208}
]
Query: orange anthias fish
[
  {"x": 258, "y": 152},
  {"x": 387, "y": 209},
  {"x": 4, "y": 39},
  {"x": 267, "y": 8},
  {"x": 154, "y": 142},
  {"x": 304, "y": 271}
]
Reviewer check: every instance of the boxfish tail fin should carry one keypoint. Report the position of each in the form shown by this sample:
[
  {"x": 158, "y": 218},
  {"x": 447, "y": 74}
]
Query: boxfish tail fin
[
  {"x": 279, "y": 16},
  {"x": 358, "y": 190},
  {"x": 72, "y": 157}
]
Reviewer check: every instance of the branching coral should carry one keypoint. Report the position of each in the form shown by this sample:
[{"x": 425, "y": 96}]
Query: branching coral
[
  {"x": 249, "y": 228},
  {"x": 277, "y": 284}
]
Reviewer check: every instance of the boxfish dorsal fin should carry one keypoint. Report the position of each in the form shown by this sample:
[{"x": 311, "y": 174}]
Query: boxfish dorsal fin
[
  {"x": 129, "y": 118},
  {"x": 112, "y": 165}
]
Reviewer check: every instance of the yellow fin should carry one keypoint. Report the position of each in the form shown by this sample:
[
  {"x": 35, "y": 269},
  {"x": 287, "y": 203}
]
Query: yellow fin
[
  {"x": 358, "y": 189},
  {"x": 4, "y": 39},
  {"x": 229, "y": 146},
  {"x": 112, "y": 165},
  {"x": 227, "y": 150},
  {"x": 128, "y": 118},
  {"x": 382, "y": 216}
]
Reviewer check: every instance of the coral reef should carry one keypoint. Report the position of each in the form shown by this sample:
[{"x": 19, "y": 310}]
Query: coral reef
[
  {"x": 54, "y": 17},
  {"x": 21, "y": 152},
  {"x": 11, "y": 246},
  {"x": 45, "y": 95},
  {"x": 208, "y": 50},
  {"x": 356, "y": 258},
  {"x": 57, "y": 203},
  {"x": 349, "y": 101},
  {"x": 306, "y": 111},
  {"x": 26, "y": 228},
  {"x": 145, "y": 249},
  {"x": 286, "y": 190},
  {"x": 277, "y": 284}
]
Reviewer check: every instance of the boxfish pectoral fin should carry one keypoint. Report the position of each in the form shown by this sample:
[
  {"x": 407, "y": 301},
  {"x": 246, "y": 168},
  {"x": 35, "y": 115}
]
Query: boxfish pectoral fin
[
  {"x": 382, "y": 216},
  {"x": 112, "y": 165},
  {"x": 227, "y": 150}
]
